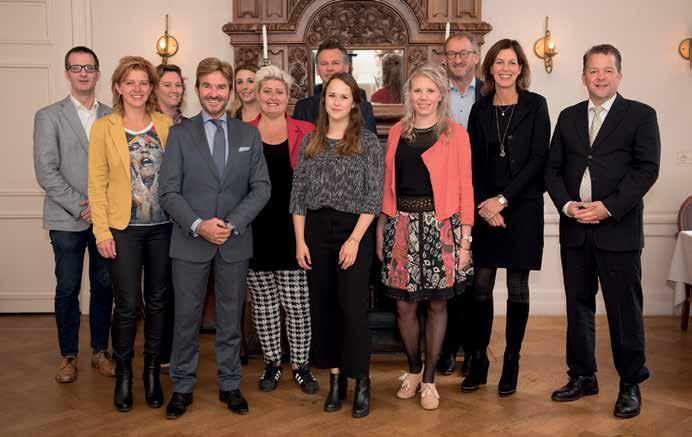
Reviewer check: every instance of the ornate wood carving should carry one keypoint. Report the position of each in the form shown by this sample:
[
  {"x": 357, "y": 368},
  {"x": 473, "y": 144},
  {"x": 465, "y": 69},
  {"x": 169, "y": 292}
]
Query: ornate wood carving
[
  {"x": 297, "y": 68},
  {"x": 417, "y": 55},
  {"x": 358, "y": 23},
  {"x": 248, "y": 55}
]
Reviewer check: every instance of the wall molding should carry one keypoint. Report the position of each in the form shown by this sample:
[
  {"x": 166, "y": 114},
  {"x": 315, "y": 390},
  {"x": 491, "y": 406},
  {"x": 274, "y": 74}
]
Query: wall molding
[
  {"x": 47, "y": 67},
  {"x": 50, "y": 40}
]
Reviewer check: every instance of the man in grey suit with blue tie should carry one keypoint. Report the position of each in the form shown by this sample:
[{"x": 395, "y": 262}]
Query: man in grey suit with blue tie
[
  {"x": 213, "y": 182},
  {"x": 61, "y": 140}
]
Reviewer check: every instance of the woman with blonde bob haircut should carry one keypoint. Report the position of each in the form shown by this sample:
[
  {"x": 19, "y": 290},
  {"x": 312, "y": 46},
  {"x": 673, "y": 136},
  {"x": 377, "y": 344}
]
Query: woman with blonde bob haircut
[
  {"x": 424, "y": 231},
  {"x": 132, "y": 231},
  {"x": 275, "y": 279}
]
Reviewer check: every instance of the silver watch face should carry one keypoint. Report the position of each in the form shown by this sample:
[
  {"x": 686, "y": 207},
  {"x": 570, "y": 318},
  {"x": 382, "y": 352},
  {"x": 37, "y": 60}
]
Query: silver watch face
[
  {"x": 502, "y": 200},
  {"x": 468, "y": 238}
]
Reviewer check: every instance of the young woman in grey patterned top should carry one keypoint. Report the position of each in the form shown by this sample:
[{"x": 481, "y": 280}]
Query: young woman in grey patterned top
[{"x": 337, "y": 191}]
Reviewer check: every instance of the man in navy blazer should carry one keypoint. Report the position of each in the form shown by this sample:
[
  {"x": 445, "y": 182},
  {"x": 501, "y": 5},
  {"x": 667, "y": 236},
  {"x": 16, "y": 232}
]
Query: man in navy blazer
[
  {"x": 331, "y": 58},
  {"x": 461, "y": 55},
  {"x": 604, "y": 156},
  {"x": 213, "y": 183}
]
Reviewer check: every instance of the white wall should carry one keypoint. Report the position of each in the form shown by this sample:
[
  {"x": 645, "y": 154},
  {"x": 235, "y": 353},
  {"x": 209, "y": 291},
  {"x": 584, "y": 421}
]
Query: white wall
[{"x": 34, "y": 35}]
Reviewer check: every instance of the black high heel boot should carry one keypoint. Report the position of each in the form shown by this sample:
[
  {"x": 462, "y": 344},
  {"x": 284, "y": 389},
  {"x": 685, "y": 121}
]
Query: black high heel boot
[
  {"x": 122, "y": 398},
  {"x": 478, "y": 372},
  {"x": 510, "y": 375},
  {"x": 361, "y": 399},
  {"x": 152, "y": 383},
  {"x": 338, "y": 385}
]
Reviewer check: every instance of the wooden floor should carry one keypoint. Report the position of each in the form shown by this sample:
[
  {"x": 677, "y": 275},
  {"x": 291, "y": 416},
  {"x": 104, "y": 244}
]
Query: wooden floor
[{"x": 33, "y": 404}]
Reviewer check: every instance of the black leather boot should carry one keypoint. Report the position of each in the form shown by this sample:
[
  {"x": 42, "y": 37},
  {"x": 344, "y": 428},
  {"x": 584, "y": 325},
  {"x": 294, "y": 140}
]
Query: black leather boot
[
  {"x": 152, "y": 384},
  {"x": 478, "y": 372},
  {"x": 361, "y": 400},
  {"x": 510, "y": 375},
  {"x": 338, "y": 385},
  {"x": 122, "y": 399}
]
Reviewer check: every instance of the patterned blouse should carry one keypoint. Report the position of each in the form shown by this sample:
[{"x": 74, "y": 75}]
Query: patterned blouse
[
  {"x": 146, "y": 155},
  {"x": 350, "y": 184}
]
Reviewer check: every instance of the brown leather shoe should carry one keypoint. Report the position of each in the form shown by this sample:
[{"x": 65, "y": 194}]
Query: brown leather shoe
[
  {"x": 103, "y": 362},
  {"x": 67, "y": 372}
]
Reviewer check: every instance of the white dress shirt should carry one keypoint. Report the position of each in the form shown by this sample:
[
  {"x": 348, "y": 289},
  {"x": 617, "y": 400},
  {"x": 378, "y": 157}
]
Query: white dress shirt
[{"x": 86, "y": 116}]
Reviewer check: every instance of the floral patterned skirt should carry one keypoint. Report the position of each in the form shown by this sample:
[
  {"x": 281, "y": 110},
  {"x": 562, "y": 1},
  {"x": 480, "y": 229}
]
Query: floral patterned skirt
[{"x": 421, "y": 257}]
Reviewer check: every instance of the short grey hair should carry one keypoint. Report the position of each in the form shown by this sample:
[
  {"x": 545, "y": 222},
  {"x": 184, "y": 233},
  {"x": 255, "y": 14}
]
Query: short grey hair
[
  {"x": 464, "y": 35},
  {"x": 272, "y": 72}
]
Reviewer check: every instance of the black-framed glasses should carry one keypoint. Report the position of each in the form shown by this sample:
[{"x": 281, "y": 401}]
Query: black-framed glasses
[
  {"x": 464, "y": 54},
  {"x": 89, "y": 68}
]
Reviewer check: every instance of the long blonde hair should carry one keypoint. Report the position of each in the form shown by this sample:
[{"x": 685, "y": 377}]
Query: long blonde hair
[
  {"x": 237, "y": 104},
  {"x": 437, "y": 74}
]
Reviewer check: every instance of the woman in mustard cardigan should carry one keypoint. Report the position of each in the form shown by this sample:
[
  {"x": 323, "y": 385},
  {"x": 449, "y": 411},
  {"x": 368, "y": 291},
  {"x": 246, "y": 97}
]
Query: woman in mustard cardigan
[
  {"x": 131, "y": 229},
  {"x": 424, "y": 232}
]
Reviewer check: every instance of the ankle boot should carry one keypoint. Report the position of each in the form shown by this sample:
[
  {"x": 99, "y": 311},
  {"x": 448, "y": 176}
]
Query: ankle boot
[
  {"x": 337, "y": 392},
  {"x": 510, "y": 374},
  {"x": 478, "y": 372},
  {"x": 152, "y": 384},
  {"x": 122, "y": 398},
  {"x": 361, "y": 399}
]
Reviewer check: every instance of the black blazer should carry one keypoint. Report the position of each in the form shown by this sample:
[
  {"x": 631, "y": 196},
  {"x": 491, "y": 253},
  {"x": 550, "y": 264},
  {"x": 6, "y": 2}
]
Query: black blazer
[
  {"x": 308, "y": 109},
  {"x": 623, "y": 162},
  {"x": 527, "y": 146}
]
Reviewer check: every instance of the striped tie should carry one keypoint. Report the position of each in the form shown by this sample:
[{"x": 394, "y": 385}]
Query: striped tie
[{"x": 585, "y": 186}]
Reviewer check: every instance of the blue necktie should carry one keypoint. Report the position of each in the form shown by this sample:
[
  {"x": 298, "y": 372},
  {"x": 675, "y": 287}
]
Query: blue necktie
[{"x": 219, "y": 150}]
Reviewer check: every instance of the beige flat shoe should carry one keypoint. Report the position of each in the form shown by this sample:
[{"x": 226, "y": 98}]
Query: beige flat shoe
[
  {"x": 429, "y": 398},
  {"x": 409, "y": 384}
]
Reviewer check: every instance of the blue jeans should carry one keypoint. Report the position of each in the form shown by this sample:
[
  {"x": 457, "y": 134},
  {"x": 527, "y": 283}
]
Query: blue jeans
[{"x": 69, "y": 248}]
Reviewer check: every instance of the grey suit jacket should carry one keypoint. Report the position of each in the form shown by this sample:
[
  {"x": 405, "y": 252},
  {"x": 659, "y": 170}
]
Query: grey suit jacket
[
  {"x": 191, "y": 188},
  {"x": 60, "y": 161}
]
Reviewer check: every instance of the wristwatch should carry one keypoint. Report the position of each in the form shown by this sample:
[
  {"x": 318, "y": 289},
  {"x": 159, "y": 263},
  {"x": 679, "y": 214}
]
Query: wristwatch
[
  {"x": 502, "y": 200},
  {"x": 468, "y": 238}
]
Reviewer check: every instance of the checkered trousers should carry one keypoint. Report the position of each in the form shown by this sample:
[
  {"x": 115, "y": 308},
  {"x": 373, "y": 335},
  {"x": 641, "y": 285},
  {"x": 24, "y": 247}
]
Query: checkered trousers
[{"x": 288, "y": 288}]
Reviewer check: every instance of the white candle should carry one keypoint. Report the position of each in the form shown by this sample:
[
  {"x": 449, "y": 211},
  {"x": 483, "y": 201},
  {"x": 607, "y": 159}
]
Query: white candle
[
  {"x": 264, "y": 42},
  {"x": 447, "y": 31}
]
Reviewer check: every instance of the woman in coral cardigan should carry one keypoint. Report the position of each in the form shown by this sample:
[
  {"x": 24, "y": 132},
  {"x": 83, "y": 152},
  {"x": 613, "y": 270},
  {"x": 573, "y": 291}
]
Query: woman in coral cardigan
[
  {"x": 424, "y": 232},
  {"x": 132, "y": 231}
]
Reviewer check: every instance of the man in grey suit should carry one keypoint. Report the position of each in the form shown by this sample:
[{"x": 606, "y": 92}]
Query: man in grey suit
[
  {"x": 213, "y": 182},
  {"x": 61, "y": 141}
]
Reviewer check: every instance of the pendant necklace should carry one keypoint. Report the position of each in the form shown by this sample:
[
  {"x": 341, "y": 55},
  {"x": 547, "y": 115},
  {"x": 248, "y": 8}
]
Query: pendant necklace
[{"x": 503, "y": 137}]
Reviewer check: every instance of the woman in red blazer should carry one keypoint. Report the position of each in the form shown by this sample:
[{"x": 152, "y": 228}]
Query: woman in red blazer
[
  {"x": 275, "y": 279},
  {"x": 424, "y": 232}
]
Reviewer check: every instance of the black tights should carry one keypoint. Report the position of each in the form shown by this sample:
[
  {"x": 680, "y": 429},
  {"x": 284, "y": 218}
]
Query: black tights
[{"x": 435, "y": 327}]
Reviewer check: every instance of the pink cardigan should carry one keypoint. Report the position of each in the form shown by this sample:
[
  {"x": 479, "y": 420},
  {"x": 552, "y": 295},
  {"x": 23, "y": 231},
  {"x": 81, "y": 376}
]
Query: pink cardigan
[
  {"x": 449, "y": 165},
  {"x": 297, "y": 129}
]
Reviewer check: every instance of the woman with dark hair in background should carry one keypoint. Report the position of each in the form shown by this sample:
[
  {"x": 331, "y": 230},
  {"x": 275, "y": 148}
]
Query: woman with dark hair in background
[
  {"x": 510, "y": 131},
  {"x": 337, "y": 191},
  {"x": 132, "y": 231}
]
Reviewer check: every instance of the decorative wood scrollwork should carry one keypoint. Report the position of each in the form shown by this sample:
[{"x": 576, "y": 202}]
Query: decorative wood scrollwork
[{"x": 297, "y": 64}]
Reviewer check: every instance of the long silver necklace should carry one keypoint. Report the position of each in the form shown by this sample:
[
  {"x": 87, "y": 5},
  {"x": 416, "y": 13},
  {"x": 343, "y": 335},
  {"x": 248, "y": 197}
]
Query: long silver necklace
[{"x": 503, "y": 137}]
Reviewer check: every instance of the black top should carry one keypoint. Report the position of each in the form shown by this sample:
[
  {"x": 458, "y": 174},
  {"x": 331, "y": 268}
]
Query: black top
[
  {"x": 499, "y": 165},
  {"x": 274, "y": 241},
  {"x": 412, "y": 176}
]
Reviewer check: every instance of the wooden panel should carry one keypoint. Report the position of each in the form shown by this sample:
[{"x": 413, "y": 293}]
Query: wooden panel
[
  {"x": 467, "y": 10},
  {"x": 438, "y": 11},
  {"x": 23, "y": 22},
  {"x": 278, "y": 55},
  {"x": 436, "y": 54},
  {"x": 246, "y": 10},
  {"x": 275, "y": 11}
]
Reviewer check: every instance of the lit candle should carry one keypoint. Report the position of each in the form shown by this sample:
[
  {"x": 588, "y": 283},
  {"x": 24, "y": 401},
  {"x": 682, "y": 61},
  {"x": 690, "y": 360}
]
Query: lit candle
[
  {"x": 264, "y": 42},
  {"x": 447, "y": 31}
]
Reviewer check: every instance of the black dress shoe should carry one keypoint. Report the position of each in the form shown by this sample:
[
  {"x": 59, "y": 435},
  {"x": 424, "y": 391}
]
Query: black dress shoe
[
  {"x": 576, "y": 388},
  {"x": 338, "y": 385},
  {"x": 178, "y": 405},
  {"x": 235, "y": 400},
  {"x": 629, "y": 401},
  {"x": 447, "y": 364},
  {"x": 361, "y": 400}
]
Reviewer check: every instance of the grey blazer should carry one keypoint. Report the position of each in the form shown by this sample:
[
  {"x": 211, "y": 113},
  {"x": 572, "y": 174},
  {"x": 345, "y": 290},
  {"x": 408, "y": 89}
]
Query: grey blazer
[
  {"x": 191, "y": 188},
  {"x": 60, "y": 161}
]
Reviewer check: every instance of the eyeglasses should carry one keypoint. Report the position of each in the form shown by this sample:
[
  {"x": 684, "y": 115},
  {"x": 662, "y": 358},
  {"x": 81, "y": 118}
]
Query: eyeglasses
[
  {"x": 464, "y": 54},
  {"x": 89, "y": 68}
]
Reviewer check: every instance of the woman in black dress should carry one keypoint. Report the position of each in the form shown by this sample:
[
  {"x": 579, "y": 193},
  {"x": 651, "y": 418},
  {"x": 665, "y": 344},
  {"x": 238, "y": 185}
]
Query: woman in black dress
[{"x": 510, "y": 131}]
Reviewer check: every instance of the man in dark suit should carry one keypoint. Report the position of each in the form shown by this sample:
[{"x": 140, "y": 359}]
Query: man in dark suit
[
  {"x": 213, "y": 182},
  {"x": 331, "y": 58},
  {"x": 61, "y": 142},
  {"x": 461, "y": 55},
  {"x": 604, "y": 157}
]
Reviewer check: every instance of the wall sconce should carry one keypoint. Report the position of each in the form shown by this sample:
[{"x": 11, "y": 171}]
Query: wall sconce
[
  {"x": 545, "y": 48},
  {"x": 166, "y": 45},
  {"x": 684, "y": 50}
]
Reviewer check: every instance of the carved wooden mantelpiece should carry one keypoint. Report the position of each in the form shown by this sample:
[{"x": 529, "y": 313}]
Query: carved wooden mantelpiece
[{"x": 295, "y": 27}]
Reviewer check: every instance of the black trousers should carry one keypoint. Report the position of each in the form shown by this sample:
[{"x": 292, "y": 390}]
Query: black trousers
[
  {"x": 338, "y": 298},
  {"x": 140, "y": 248},
  {"x": 620, "y": 277}
]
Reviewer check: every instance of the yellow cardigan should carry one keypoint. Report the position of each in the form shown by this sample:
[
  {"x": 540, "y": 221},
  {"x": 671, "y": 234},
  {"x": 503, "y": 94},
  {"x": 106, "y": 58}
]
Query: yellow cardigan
[{"x": 110, "y": 185}]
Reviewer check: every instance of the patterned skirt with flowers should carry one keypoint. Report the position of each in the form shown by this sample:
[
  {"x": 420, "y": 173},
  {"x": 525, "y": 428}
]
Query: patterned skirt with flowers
[{"x": 421, "y": 257}]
